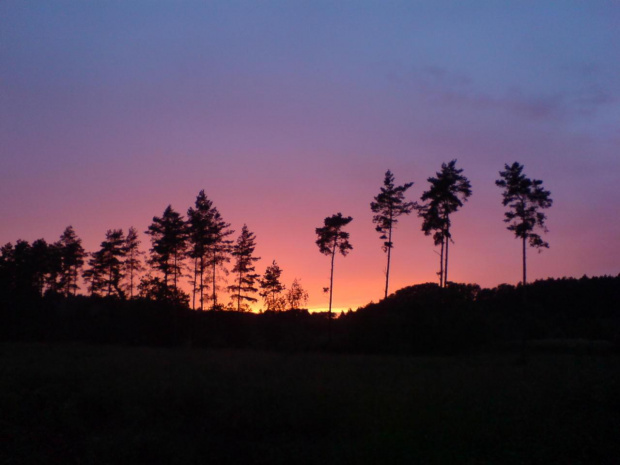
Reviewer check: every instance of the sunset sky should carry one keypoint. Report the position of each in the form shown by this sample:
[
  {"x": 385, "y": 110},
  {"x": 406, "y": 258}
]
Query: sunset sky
[{"x": 287, "y": 112}]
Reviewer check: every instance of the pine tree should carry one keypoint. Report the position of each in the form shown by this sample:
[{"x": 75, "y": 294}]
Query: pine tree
[
  {"x": 218, "y": 249},
  {"x": 272, "y": 287},
  {"x": 199, "y": 223},
  {"x": 71, "y": 254},
  {"x": 25, "y": 267},
  {"x": 54, "y": 270},
  {"x": 389, "y": 204},
  {"x": 168, "y": 240},
  {"x": 525, "y": 198},
  {"x": 332, "y": 239},
  {"x": 107, "y": 264},
  {"x": 243, "y": 253},
  {"x": 133, "y": 260},
  {"x": 20, "y": 270},
  {"x": 447, "y": 193},
  {"x": 42, "y": 263},
  {"x": 93, "y": 275}
]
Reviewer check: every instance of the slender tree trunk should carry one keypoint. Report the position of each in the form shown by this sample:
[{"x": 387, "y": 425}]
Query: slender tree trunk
[
  {"x": 131, "y": 278},
  {"x": 195, "y": 277},
  {"x": 174, "y": 271},
  {"x": 213, "y": 277},
  {"x": 331, "y": 293},
  {"x": 445, "y": 269},
  {"x": 202, "y": 282},
  {"x": 389, "y": 253},
  {"x": 441, "y": 263},
  {"x": 524, "y": 262},
  {"x": 239, "y": 294},
  {"x": 524, "y": 271}
]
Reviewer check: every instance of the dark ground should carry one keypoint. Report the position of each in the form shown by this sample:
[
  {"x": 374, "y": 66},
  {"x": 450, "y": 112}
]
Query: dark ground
[{"x": 84, "y": 404}]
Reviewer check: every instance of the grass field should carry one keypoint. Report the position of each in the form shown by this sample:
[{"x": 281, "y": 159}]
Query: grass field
[{"x": 95, "y": 404}]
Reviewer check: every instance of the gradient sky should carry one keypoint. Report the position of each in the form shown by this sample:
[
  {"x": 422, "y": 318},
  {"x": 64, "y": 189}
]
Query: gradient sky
[{"x": 288, "y": 112}]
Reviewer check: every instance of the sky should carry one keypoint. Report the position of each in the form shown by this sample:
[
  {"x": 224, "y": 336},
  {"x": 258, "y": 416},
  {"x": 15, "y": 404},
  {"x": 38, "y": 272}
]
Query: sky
[{"x": 286, "y": 112}]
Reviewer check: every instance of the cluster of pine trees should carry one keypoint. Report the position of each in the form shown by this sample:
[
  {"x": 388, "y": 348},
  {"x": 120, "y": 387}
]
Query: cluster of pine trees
[
  {"x": 200, "y": 247},
  {"x": 448, "y": 190}
]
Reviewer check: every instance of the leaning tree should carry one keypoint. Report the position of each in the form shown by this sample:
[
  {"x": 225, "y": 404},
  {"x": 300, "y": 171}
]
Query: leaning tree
[
  {"x": 388, "y": 205},
  {"x": 332, "y": 239},
  {"x": 526, "y": 198},
  {"x": 447, "y": 193}
]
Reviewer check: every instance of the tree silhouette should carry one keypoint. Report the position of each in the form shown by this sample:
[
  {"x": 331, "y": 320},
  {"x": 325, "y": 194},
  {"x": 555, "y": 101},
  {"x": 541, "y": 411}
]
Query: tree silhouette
[
  {"x": 296, "y": 296},
  {"x": 133, "y": 262},
  {"x": 19, "y": 269},
  {"x": 243, "y": 252},
  {"x": 331, "y": 238},
  {"x": 271, "y": 288},
  {"x": 218, "y": 249},
  {"x": 71, "y": 254},
  {"x": 42, "y": 264},
  {"x": 525, "y": 198},
  {"x": 93, "y": 276},
  {"x": 168, "y": 240},
  {"x": 53, "y": 268},
  {"x": 447, "y": 193},
  {"x": 210, "y": 247},
  {"x": 153, "y": 288},
  {"x": 199, "y": 222},
  {"x": 389, "y": 204},
  {"x": 106, "y": 265}
]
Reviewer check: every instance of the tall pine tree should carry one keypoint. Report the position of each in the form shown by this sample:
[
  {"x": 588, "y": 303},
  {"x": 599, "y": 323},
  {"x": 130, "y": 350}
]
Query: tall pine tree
[
  {"x": 107, "y": 265},
  {"x": 218, "y": 250},
  {"x": 71, "y": 254},
  {"x": 447, "y": 193},
  {"x": 133, "y": 265},
  {"x": 388, "y": 205},
  {"x": 332, "y": 239},
  {"x": 525, "y": 198},
  {"x": 168, "y": 240},
  {"x": 244, "y": 270},
  {"x": 200, "y": 235}
]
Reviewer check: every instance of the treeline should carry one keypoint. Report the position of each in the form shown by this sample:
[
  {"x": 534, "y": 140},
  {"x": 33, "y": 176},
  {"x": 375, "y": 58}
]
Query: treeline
[
  {"x": 199, "y": 248},
  {"x": 427, "y": 318},
  {"x": 420, "y": 319}
]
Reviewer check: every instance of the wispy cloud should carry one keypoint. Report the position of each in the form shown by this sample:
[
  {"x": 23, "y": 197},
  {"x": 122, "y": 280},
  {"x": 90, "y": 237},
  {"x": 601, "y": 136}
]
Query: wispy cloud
[{"x": 442, "y": 86}]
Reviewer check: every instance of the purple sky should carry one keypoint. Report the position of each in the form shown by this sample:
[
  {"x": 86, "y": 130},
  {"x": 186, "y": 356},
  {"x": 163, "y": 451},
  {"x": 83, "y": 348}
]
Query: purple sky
[{"x": 287, "y": 112}]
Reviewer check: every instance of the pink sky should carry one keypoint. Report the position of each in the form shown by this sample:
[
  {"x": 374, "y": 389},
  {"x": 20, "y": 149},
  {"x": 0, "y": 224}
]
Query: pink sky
[{"x": 289, "y": 112}]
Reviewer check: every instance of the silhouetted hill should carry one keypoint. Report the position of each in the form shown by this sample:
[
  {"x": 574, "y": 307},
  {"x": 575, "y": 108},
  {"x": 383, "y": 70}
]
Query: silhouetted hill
[
  {"x": 427, "y": 318},
  {"x": 417, "y": 319}
]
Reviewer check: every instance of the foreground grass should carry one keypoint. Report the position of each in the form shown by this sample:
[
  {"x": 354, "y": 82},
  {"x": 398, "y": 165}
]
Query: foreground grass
[{"x": 85, "y": 404}]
